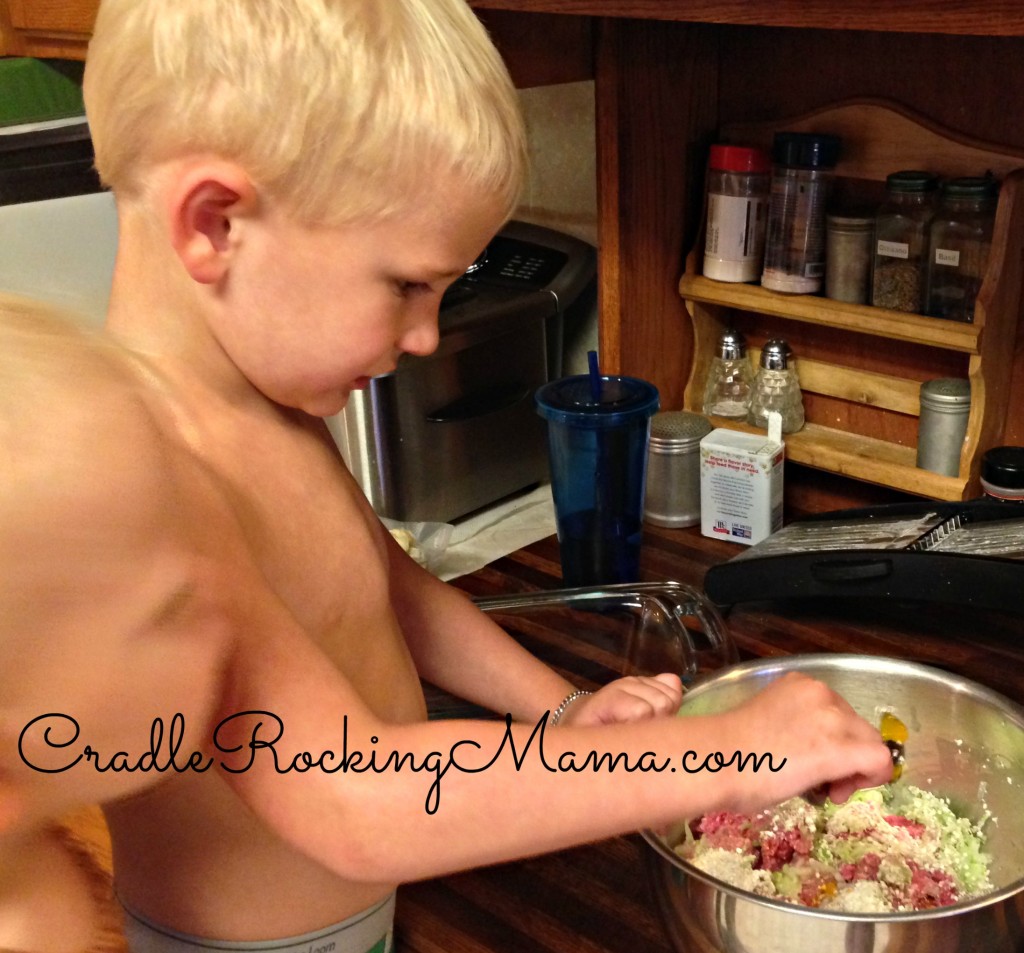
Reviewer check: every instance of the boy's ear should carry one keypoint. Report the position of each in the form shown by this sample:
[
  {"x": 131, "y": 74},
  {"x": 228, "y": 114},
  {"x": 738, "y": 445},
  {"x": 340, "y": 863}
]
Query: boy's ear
[{"x": 207, "y": 206}]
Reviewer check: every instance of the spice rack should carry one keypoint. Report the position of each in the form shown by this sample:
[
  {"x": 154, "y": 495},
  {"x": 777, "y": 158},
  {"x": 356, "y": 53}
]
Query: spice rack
[{"x": 880, "y": 137}]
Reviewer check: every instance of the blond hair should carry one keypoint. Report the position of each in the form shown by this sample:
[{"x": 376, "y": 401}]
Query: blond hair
[{"x": 341, "y": 109}]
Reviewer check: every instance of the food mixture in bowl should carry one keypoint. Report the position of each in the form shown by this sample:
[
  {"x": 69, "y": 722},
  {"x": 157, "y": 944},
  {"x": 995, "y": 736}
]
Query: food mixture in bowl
[{"x": 888, "y": 849}]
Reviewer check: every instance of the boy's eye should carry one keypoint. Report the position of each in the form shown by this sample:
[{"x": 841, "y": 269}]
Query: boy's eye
[{"x": 406, "y": 289}]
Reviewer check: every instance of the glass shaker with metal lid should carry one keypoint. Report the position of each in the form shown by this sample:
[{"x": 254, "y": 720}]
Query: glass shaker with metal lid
[
  {"x": 777, "y": 387},
  {"x": 730, "y": 376},
  {"x": 901, "y": 241}
]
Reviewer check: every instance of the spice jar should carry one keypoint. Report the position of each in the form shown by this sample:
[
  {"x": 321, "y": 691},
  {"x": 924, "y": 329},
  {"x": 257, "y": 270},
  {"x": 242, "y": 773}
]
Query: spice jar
[
  {"x": 945, "y": 405},
  {"x": 672, "y": 496},
  {"x": 901, "y": 241},
  {"x": 738, "y": 180},
  {"x": 848, "y": 256},
  {"x": 730, "y": 377},
  {"x": 1002, "y": 474},
  {"x": 961, "y": 236},
  {"x": 803, "y": 168},
  {"x": 777, "y": 387}
]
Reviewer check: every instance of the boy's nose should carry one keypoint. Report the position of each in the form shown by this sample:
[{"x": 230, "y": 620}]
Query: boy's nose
[{"x": 421, "y": 336}]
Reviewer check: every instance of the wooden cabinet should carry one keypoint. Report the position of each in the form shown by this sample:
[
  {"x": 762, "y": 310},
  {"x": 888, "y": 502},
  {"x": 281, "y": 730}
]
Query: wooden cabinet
[
  {"x": 46, "y": 28},
  {"x": 670, "y": 77}
]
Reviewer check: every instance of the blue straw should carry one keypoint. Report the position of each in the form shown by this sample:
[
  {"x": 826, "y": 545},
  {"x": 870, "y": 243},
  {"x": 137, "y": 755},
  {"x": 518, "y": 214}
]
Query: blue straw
[{"x": 595, "y": 377}]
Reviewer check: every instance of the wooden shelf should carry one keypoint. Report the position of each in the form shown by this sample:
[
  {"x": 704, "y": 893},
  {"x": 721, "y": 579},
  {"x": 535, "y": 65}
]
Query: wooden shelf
[
  {"x": 878, "y": 138},
  {"x": 811, "y": 309},
  {"x": 861, "y": 458}
]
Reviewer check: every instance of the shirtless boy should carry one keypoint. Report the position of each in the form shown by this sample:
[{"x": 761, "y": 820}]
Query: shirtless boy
[{"x": 297, "y": 183}]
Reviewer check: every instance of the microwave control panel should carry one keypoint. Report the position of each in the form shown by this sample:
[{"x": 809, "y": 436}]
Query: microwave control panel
[{"x": 512, "y": 262}]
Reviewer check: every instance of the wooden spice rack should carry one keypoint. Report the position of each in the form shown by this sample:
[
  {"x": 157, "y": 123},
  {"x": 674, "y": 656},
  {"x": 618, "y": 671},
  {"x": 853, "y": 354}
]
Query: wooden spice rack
[{"x": 878, "y": 138}]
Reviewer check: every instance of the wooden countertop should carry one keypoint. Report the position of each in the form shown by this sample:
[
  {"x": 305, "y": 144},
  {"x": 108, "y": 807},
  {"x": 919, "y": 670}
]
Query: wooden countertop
[{"x": 603, "y": 898}]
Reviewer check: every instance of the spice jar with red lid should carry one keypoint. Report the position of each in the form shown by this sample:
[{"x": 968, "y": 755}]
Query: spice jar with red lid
[{"x": 738, "y": 184}]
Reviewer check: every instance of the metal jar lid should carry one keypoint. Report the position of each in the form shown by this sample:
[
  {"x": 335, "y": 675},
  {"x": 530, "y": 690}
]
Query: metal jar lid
[
  {"x": 678, "y": 431},
  {"x": 853, "y": 222},
  {"x": 775, "y": 355},
  {"x": 911, "y": 180},
  {"x": 732, "y": 345},
  {"x": 948, "y": 395}
]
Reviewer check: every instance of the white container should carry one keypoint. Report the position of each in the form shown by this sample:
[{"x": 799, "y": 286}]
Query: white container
[
  {"x": 741, "y": 484},
  {"x": 738, "y": 185}
]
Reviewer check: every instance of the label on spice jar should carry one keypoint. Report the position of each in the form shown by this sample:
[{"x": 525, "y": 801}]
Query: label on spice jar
[
  {"x": 893, "y": 249},
  {"x": 946, "y": 256},
  {"x": 735, "y": 227}
]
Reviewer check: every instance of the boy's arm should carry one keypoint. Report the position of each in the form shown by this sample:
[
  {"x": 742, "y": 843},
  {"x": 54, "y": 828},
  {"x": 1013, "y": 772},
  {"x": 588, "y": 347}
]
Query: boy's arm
[
  {"x": 393, "y": 802},
  {"x": 460, "y": 649}
]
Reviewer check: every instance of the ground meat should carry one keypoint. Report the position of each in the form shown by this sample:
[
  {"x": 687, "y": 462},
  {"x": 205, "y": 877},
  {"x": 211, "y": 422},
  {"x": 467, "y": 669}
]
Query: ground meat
[
  {"x": 889, "y": 849},
  {"x": 728, "y": 831}
]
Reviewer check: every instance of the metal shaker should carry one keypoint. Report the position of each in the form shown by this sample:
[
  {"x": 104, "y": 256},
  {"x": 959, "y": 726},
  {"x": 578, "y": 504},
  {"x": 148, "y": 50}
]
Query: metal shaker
[
  {"x": 945, "y": 404},
  {"x": 672, "y": 497}
]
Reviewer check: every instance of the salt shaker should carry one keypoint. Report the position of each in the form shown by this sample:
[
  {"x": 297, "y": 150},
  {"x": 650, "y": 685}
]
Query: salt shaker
[
  {"x": 730, "y": 377},
  {"x": 777, "y": 387}
]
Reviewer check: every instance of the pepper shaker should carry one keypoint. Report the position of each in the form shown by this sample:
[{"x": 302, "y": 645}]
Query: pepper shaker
[
  {"x": 730, "y": 377},
  {"x": 777, "y": 387}
]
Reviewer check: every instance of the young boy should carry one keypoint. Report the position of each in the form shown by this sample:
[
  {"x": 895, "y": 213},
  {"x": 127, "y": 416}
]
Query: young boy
[{"x": 297, "y": 183}]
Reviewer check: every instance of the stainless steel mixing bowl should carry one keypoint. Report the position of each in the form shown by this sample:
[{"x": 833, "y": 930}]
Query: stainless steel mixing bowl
[{"x": 966, "y": 743}]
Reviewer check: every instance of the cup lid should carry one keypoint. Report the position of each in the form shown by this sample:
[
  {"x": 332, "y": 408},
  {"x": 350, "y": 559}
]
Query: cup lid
[{"x": 571, "y": 401}]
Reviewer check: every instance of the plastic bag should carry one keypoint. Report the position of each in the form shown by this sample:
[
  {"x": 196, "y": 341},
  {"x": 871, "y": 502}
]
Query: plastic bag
[{"x": 425, "y": 542}]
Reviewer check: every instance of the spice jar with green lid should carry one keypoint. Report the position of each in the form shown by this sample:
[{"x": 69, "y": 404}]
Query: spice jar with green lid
[
  {"x": 961, "y": 236},
  {"x": 901, "y": 241}
]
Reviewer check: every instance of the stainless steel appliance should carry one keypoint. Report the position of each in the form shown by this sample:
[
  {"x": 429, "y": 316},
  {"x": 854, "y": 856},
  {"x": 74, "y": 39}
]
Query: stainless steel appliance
[{"x": 448, "y": 434}]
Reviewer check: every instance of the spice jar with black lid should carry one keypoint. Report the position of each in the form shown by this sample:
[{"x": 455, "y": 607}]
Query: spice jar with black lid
[
  {"x": 1002, "y": 474},
  {"x": 961, "y": 236},
  {"x": 901, "y": 241},
  {"x": 803, "y": 169}
]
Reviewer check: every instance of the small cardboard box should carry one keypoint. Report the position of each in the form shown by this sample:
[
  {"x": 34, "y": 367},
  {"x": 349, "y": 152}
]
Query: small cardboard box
[{"x": 741, "y": 485}]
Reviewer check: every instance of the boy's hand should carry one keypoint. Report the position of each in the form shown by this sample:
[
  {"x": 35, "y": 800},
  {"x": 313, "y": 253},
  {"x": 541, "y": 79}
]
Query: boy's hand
[
  {"x": 633, "y": 698},
  {"x": 826, "y": 744}
]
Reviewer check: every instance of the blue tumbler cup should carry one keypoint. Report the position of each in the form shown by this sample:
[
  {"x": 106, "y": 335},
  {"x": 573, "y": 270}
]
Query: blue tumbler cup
[{"x": 597, "y": 451}]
